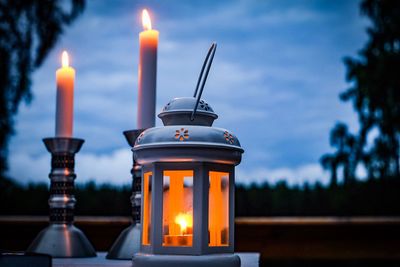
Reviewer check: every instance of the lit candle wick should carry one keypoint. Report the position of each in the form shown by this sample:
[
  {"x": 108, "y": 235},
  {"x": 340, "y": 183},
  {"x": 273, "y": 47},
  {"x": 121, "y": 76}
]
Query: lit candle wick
[
  {"x": 184, "y": 221},
  {"x": 146, "y": 20},
  {"x": 65, "y": 59}
]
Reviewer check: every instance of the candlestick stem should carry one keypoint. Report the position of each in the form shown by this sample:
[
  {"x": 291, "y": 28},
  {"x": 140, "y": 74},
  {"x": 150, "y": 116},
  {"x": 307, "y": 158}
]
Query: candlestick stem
[
  {"x": 128, "y": 242},
  {"x": 61, "y": 239}
]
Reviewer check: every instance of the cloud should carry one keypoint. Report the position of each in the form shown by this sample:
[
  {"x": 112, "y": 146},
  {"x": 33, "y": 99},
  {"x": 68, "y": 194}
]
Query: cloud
[
  {"x": 112, "y": 167},
  {"x": 308, "y": 173},
  {"x": 242, "y": 16},
  {"x": 25, "y": 168}
]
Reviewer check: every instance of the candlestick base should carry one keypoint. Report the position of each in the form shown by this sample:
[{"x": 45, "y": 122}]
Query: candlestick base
[
  {"x": 214, "y": 260},
  {"x": 61, "y": 239},
  {"x": 128, "y": 241}
]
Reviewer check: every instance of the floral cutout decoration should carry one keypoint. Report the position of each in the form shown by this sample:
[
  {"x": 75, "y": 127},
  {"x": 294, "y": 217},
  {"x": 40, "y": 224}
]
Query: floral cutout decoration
[
  {"x": 182, "y": 134},
  {"x": 229, "y": 137},
  {"x": 139, "y": 138},
  {"x": 204, "y": 105}
]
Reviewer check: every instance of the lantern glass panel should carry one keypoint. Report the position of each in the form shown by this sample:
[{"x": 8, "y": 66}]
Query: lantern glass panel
[
  {"x": 178, "y": 208},
  {"x": 147, "y": 191},
  {"x": 218, "y": 209}
]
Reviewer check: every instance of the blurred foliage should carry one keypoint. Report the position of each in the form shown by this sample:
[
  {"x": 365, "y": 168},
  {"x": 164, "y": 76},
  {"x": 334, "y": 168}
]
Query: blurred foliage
[
  {"x": 32, "y": 199},
  {"x": 344, "y": 142},
  {"x": 359, "y": 198},
  {"x": 28, "y": 31},
  {"x": 375, "y": 94},
  {"x": 105, "y": 199},
  {"x": 373, "y": 197}
]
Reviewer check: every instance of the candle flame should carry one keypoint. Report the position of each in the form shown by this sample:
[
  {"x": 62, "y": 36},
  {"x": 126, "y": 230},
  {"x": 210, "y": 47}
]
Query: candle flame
[
  {"x": 65, "y": 59},
  {"x": 184, "y": 220},
  {"x": 146, "y": 20}
]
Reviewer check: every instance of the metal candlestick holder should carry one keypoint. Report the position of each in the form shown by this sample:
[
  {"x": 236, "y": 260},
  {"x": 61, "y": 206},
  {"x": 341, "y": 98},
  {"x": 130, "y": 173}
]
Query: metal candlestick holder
[
  {"x": 128, "y": 242},
  {"x": 61, "y": 239}
]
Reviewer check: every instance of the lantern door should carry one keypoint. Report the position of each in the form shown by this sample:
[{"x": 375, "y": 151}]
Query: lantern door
[
  {"x": 147, "y": 209},
  {"x": 177, "y": 215},
  {"x": 172, "y": 204},
  {"x": 220, "y": 206}
]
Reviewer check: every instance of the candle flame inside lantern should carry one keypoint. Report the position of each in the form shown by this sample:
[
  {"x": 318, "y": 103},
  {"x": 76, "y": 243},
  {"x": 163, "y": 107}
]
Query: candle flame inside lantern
[
  {"x": 184, "y": 220},
  {"x": 65, "y": 59},
  {"x": 146, "y": 20}
]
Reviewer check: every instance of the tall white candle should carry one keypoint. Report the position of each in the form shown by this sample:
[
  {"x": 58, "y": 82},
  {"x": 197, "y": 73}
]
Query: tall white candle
[
  {"x": 65, "y": 77},
  {"x": 147, "y": 77}
]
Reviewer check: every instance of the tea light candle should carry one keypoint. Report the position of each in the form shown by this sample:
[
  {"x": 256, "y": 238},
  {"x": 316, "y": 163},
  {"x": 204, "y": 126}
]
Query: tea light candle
[
  {"x": 185, "y": 237},
  {"x": 178, "y": 240}
]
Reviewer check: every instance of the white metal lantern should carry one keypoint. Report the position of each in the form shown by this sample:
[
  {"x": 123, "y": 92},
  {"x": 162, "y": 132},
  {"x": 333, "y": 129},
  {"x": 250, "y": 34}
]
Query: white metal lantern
[{"x": 188, "y": 186}]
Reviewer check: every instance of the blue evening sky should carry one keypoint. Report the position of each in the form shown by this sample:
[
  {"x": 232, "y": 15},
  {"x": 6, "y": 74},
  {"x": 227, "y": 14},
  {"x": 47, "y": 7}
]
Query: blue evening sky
[{"x": 275, "y": 82}]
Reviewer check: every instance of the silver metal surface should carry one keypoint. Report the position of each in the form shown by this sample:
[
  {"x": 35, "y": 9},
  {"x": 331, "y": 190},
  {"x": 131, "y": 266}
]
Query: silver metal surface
[
  {"x": 187, "y": 143},
  {"x": 61, "y": 238},
  {"x": 62, "y": 241},
  {"x": 63, "y": 145},
  {"x": 128, "y": 241},
  {"x": 183, "y": 134},
  {"x": 131, "y": 136},
  {"x": 178, "y": 111}
]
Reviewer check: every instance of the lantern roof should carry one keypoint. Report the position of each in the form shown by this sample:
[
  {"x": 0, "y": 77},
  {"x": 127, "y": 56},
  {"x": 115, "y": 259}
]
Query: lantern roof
[
  {"x": 187, "y": 136},
  {"x": 179, "y": 111}
]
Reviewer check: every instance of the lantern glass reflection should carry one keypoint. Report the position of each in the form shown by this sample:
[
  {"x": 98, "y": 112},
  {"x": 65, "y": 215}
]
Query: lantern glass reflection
[
  {"x": 147, "y": 188},
  {"x": 178, "y": 208},
  {"x": 218, "y": 209}
]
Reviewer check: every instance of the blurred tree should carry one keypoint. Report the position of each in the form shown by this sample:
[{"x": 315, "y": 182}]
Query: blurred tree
[
  {"x": 330, "y": 162},
  {"x": 375, "y": 92},
  {"x": 28, "y": 31},
  {"x": 344, "y": 142}
]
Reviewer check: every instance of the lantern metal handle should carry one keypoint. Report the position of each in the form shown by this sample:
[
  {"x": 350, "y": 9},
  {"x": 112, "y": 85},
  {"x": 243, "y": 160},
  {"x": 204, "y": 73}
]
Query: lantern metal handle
[{"x": 202, "y": 79}]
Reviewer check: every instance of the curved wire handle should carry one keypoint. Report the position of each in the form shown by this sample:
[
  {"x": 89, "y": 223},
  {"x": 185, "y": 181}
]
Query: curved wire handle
[{"x": 202, "y": 79}]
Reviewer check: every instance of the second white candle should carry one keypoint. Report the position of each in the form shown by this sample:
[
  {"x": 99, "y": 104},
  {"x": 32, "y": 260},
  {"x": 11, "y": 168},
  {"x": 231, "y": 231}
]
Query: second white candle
[{"x": 147, "y": 76}]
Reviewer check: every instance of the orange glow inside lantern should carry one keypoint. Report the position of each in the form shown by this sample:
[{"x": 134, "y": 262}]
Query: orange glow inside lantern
[
  {"x": 147, "y": 192},
  {"x": 218, "y": 209},
  {"x": 178, "y": 208}
]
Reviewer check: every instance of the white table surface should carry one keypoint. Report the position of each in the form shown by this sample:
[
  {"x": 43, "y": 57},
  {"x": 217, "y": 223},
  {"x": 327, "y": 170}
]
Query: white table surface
[{"x": 247, "y": 260}]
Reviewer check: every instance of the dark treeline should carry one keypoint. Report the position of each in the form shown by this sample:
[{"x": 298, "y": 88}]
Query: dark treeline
[
  {"x": 92, "y": 199},
  {"x": 372, "y": 197},
  {"x": 360, "y": 198}
]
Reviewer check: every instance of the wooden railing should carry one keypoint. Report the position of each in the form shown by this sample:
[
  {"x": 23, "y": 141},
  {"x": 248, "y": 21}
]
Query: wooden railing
[{"x": 276, "y": 238}]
